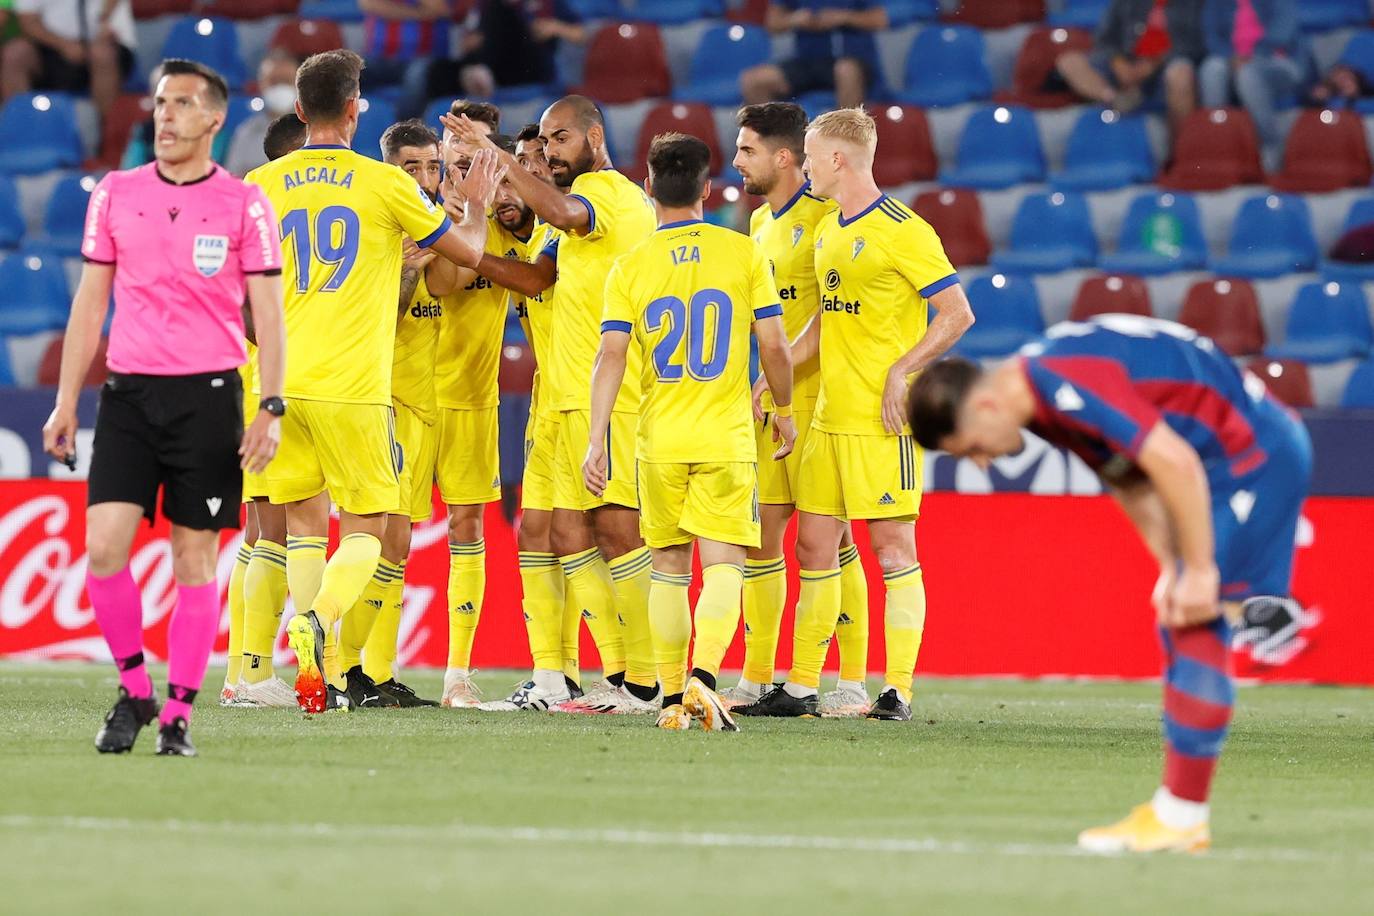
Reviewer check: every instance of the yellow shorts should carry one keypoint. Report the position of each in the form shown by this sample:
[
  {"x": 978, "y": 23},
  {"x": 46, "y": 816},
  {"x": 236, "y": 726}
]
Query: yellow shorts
[
  {"x": 860, "y": 476},
  {"x": 779, "y": 480},
  {"x": 417, "y": 445},
  {"x": 569, "y": 489},
  {"x": 254, "y": 486},
  {"x": 718, "y": 501},
  {"x": 469, "y": 462},
  {"x": 541, "y": 447},
  {"x": 348, "y": 449}
]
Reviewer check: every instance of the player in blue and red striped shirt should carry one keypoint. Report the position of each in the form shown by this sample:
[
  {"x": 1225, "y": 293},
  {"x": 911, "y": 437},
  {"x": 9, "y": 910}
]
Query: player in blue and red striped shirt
[
  {"x": 401, "y": 41},
  {"x": 1211, "y": 470}
]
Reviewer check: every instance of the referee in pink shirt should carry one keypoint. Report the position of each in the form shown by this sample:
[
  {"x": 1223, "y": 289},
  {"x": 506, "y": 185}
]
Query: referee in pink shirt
[{"x": 180, "y": 241}]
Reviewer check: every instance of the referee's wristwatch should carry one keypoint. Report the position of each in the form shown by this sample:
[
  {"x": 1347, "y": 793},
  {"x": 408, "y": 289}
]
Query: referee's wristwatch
[{"x": 275, "y": 406}]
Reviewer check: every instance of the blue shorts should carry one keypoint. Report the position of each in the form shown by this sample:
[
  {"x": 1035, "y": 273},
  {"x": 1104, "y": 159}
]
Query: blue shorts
[{"x": 1255, "y": 517}]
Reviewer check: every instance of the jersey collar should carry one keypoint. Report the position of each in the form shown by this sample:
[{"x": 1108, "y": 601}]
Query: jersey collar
[
  {"x": 864, "y": 212},
  {"x": 681, "y": 222},
  {"x": 806, "y": 186},
  {"x": 325, "y": 146}
]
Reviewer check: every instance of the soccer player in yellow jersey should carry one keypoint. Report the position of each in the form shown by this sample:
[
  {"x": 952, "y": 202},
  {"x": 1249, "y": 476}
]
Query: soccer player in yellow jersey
[
  {"x": 769, "y": 156},
  {"x": 688, "y": 297},
  {"x": 343, "y": 216},
  {"x": 602, "y": 216},
  {"x": 879, "y": 266}
]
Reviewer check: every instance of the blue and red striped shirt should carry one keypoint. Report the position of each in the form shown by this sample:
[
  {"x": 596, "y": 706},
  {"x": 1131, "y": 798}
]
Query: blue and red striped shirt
[{"x": 403, "y": 39}]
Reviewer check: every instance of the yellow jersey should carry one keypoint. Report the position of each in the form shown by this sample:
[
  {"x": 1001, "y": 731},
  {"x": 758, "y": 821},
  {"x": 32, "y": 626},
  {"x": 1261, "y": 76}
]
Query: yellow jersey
[
  {"x": 689, "y": 297},
  {"x": 788, "y": 239},
  {"x": 536, "y": 315},
  {"x": 417, "y": 346},
  {"x": 249, "y": 373},
  {"x": 343, "y": 216},
  {"x": 620, "y": 218},
  {"x": 876, "y": 272},
  {"x": 472, "y": 330}
]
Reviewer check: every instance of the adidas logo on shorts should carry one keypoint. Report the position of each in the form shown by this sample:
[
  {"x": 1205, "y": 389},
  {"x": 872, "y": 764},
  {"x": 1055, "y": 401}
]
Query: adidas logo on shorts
[
  {"x": 587, "y": 615},
  {"x": 887, "y": 500},
  {"x": 465, "y": 608},
  {"x": 374, "y": 604},
  {"x": 843, "y": 619}
]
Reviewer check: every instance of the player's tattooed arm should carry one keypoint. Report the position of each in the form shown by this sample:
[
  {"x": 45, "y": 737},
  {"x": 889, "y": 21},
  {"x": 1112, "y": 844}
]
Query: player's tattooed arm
[
  {"x": 414, "y": 260},
  {"x": 953, "y": 316}
]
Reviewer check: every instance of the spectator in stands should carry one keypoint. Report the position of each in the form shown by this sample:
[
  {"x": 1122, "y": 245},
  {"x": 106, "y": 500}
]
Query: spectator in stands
[
  {"x": 515, "y": 43},
  {"x": 277, "y": 87},
  {"x": 1253, "y": 52},
  {"x": 1342, "y": 86},
  {"x": 403, "y": 40},
  {"x": 9, "y": 22},
  {"x": 70, "y": 46},
  {"x": 1143, "y": 49},
  {"x": 835, "y": 50}
]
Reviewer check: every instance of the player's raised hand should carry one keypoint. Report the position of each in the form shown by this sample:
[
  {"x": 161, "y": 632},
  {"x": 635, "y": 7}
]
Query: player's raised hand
[
  {"x": 483, "y": 178},
  {"x": 784, "y": 431},
  {"x": 894, "y": 402},
  {"x": 594, "y": 468},
  {"x": 59, "y": 434},
  {"x": 760, "y": 387},
  {"x": 467, "y": 132},
  {"x": 260, "y": 441},
  {"x": 415, "y": 257}
]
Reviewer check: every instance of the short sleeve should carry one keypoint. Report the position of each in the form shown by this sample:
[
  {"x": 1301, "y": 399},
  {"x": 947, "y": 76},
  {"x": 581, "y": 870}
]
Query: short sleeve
[
  {"x": 617, "y": 311},
  {"x": 598, "y": 196},
  {"x": 259, "y": 240},
  {"x": 763, "y": 296},
  {"x": 1092, "y": 395},
  {"x": 97, "y": 244},
  {"x": 419, "y": 217},
  {"x": 920, "y": 258}
]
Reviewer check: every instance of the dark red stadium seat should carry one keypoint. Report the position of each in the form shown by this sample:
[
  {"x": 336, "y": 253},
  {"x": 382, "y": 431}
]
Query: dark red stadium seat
[
  {"x": 1226, "y": 311},
  {"x": 998, "y": 14},
  {"x": 1216, "y": 149},
  {"x": 1287, "y": 379},
  {"x": 304, "y": 37},
  {"x": 128, "y": 111},
  {"x": 957, "y": 218},
  {"x": 625, "y": 63},
  {"x": 753, "y": 12},
  {"x": 515, "y": 373},
  {"x": 1035, "y": 63},
  {"x": 692, "y": 118},
  {"x": 245, "y": 9},
  {"x": 150, "y": 9},
  {"x": 1111, "y": 294},
  {"x": 1326, "y": 151},
  {"x": 49, "y": 367},
  {"x": 905, "y": 151}
]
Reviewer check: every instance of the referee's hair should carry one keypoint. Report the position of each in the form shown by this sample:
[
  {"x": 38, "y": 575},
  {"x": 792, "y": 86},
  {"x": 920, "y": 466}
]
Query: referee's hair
[
  {"x": 284, "y": 135},
  {"x": 216, "y": 89},
  {"x": 413, "y": 132},
  {"x": 782, "y": 124},
  {"x": 326, "y": 82},
  {"x": 485, "y": 112},
  {"x": 937, "y": 396},
  {"x": 679, "y": 165},
  {"x": 852, "y": 125}
]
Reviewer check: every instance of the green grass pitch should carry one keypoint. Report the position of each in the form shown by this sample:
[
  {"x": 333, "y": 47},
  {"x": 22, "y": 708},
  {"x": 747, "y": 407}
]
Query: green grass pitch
[{"x": 972, "y": 808}]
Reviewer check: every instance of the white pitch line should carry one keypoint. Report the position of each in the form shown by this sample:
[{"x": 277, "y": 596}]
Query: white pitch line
[{"x": 630, "y": 837}]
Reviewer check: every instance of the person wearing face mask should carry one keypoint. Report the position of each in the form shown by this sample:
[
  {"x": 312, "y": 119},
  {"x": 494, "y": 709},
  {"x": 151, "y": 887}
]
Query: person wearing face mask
[{"x": 277, "y": 88}]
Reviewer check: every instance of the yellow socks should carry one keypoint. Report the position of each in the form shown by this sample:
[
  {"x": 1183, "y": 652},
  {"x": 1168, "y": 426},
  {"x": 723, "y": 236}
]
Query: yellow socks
[
  {"x": 379, "y": 654},
  {"x": 765, "y": 595},
  {"x": 670, "y": 617},
  {"x": 359, "y": 622},
  {"x": 905, "y": 619},
  {"x": 234, "y": 654},
  {"x": 851, "y": 630},
  {"x": 467, "y": 585},
  {"x": 818, "y": 607},
  {"x": 305, "y": 561},
  {"x": 717, "y": 615},
  {"x": 590, "y": 583},
  {"x": 630, "y": 573},
  {"x": 345, "y": 576},
  {"x": 541, "y": 579},
  {"x": 264, "y": 584},
  {"x": 572, "y": 634}
]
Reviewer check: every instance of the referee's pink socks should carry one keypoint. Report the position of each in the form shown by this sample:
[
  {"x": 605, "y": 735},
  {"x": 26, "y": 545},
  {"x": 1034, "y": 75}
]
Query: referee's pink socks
[
  {"x": 119, "y": 612},
  {"x": 190, "y": 637}
]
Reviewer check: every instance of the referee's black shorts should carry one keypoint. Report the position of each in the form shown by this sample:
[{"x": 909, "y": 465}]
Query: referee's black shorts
[{"x": 177, "y": 432}]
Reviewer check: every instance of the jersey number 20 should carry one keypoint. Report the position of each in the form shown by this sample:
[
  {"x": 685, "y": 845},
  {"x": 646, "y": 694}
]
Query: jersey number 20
[
  {"x": 295, "y": 226},
  {"x": 710, "y": 310}
]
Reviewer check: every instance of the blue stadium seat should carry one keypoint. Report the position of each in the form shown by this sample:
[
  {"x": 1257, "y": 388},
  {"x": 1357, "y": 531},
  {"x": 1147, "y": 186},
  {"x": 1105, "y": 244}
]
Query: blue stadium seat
[
  {"x": 1051, "y": 232},
  {"x": 671, "y": 12},
  {"x": 1272, "y": 235},
  {"x": 36, "y": 297},
  {"x": 1361, "y": 214},
  {"x": 38, "y": 134},
  {"x": 1161, "y": 233},
  {"x": 1008, "y": 311},
  {"x": 817, "y": 103},
  {"x": 211, "y": 41},
  {"x": 902, "y": 12},
  {"x": 1327, "y": 322},
  {"x": 1000, "y": 147},
  {"x": 1325, "y": 15},
  {"x": 6, "y": 373},
  {"x": 372, "y": 123},
  {"x": 1359, "y": 53},
  {"x": 723, "y": 52},
  {"x": 1359, "y": 388},
  {"x": 1106, "y": 151},
  {"x": 1079, "y": 14},
  {"x": 337, "y": 10},
  {"x": 65, "y": 217},
  {"x": 12, "y": 226},
  {"x": 946, "y": 66},
  {"x": 595, "y": 9}
]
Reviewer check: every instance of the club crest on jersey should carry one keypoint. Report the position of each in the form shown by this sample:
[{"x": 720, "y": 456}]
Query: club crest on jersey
[
  {"x": 858, "y": 247},
  {"x": 210, "y": 253},
  {"x": 797, "y": 232}
]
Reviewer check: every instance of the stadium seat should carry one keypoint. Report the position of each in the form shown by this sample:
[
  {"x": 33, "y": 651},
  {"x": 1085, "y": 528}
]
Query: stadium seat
[
  {"x": 12, "y": 226},
  {"x": 1080, "y": 14},
  {"x": 128, "y": 111},
  {"x": 338, "y": 10},
  {"x": 1361, "y": 213},
  {"x": 1051, "y": 232},
  {"x": 1035, "y": 63},
  {"x": 998, "y": 14},
  {"x": 65, "y": 218},
  {"x": 1008, "y": 313},
  {"x": 1327, "y": 322},
  {"x": 1111, "y": 294},
  {"x": 244, "y": 9},
  {"x": 1226, "y": 311},
  {"x": 946, "y": 66},
  {"x": 239, "y": 109},
  {"x": 211, "y": 41},
  {"x": 36, "y": 297},
  {"x": 724, "y": 52},
  {"x": 150, "y": 9},
  {"x": 1000, "y": 147},
  {"x": 50, "y": 365},
  {"x": 304, "y": 37},
  {"x": 691, "y": 118},
  {"x": 752, "y": 12},
  {"x": 1325, "y": 15},
  {"x": 1359, "y": 388},
  {"x": 1105, "y": 151},
  {"x": 1162, "y": 233},
  {"x": 1288, "y": 380},
  {"x": 1216, "y": 149},
  {"x": 957, "y": 218},
  {"x": 626, "y": 62},
  {"x": 905, "y": 150},
  {"x": 1271, "y": 236},
  {"x": 1359, "y": 55},
  {"x": 671, "y": 12},
  {"x": 1326, "y": 151},
  {"x": 38, "y": 134},
  {"x": 372, "y": 123},
  {"x": 903, "y": 12},
  {"x": 6, "y": 373}
]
